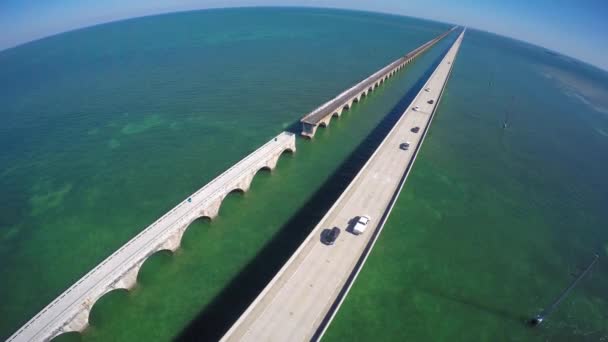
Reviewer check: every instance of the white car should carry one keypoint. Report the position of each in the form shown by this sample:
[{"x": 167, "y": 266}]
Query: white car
[
  {"x": 361, "y": 224},
  {"x": 416, "y": 108}
]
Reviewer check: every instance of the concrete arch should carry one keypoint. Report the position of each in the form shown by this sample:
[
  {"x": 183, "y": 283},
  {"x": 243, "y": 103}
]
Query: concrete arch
[
  {"x": 109, "y": 291},
  {"x": 325, "y": 122},
  {"x": 81, "y": 321},
  {"x": 157, "y": 252},
  {"x": 62, "y": 333},
  {"x": 126, "y": 282},
  {"x": 245, "y": 183},
  {"x": 263, "y": 168},
  {"x": 287, "y": 150},
  {"x": 271, "y": 164},
  {"x": 175, "y": 241},
  {"x": 235, "y": 189},
  {"x": 77, "y": 324},
  {"x": 128, "y": 279},
  {"x": 70, "y": 312}
]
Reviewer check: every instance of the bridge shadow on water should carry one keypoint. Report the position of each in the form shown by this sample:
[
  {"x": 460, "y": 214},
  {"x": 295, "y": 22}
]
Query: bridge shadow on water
[
  {"x": 217, "y": 317},
  {"x": 472, "y": 302}
]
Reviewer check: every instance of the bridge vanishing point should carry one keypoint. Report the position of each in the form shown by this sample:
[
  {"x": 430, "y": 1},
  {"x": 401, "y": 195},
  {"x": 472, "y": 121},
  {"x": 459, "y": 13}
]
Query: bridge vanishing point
[
  {"x": 301, "y": 300},
  {"x": 321, "y": 116},
  {"x": 70, "y": 311}
]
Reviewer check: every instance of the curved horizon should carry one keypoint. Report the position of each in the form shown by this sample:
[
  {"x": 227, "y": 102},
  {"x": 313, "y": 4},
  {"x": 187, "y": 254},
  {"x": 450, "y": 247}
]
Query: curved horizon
[{"x": 104, "y": 19}]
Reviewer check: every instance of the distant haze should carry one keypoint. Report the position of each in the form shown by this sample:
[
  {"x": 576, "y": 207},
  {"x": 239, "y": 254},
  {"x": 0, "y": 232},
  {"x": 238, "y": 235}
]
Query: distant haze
[{"x": 574, "y": 28}]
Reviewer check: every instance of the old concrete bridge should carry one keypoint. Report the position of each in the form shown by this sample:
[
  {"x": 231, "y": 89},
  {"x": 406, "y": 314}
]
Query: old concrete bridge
[
  {"x": 70, "y": 311},
  {"x": 334, "y": 107}
]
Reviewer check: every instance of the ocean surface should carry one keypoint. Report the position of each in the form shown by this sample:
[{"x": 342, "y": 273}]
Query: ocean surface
[{"x": 106, "y": 128}]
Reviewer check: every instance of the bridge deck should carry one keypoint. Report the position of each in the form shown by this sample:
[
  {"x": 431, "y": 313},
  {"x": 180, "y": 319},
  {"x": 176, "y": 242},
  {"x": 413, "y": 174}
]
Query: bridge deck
[
  {"x": 302, "y": 298},
  {"x": 339, "y": 101},
  {"x": 69, "y": 311}
]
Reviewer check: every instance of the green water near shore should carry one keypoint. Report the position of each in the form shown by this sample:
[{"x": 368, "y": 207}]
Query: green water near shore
[{"x": 106, "y": 128}]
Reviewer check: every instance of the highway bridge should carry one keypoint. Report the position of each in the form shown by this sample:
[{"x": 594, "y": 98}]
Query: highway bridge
[
  {"x": 321, "y": 116},
  {"x": 70, "y": 311},
  {"x": 300, "y": 301}
]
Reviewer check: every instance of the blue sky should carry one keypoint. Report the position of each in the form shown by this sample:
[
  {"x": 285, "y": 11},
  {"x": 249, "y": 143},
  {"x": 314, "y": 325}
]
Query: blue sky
[{"x": 577, "y": 28}]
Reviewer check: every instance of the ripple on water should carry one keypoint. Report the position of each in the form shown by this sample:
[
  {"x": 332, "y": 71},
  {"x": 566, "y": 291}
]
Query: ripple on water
[
  {"x": 113, "y": 144},
  {"x": 47, "y": 198},
  {"x": 141, "y": 126}
]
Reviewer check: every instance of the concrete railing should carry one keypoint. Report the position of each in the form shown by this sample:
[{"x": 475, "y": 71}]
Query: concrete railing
[
  {"x": 321, "y": 116},
  {"x": 70, "y": 311}
]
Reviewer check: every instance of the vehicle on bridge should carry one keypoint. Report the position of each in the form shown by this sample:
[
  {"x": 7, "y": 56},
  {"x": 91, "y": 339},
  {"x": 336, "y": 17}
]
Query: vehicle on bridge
[
  {"x": 329, "y": 236},
  {"x": 415, "y": 129},
  {"x": 361, "y": 224},
  {"x": 405, "y": 146}
]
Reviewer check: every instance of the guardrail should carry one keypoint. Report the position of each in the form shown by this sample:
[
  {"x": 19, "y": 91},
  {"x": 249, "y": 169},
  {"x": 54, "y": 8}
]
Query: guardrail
[
  {"x": 246, "y": 163},
  {"x": 330, "y": 106}
]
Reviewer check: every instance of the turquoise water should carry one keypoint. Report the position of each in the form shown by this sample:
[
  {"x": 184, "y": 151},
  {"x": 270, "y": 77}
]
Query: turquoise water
[
  {"x": 109, "y": 127},
  {"x": 106, "y": 128},
  {"x": 493, "y": 223}
]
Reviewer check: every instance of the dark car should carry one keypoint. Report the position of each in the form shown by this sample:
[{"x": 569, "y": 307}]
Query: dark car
[
  {"x": 415, "y": 129},
  {"x": 329, "y": 236},
  {"x": 431, "y": 101}
]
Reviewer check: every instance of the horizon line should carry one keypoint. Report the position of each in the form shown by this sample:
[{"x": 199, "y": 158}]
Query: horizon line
[{"x": 211, "y": 8}]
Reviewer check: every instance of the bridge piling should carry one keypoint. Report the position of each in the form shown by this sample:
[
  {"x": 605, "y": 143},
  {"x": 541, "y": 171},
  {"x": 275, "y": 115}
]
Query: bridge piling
[{"x": 318, "y": 117}]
